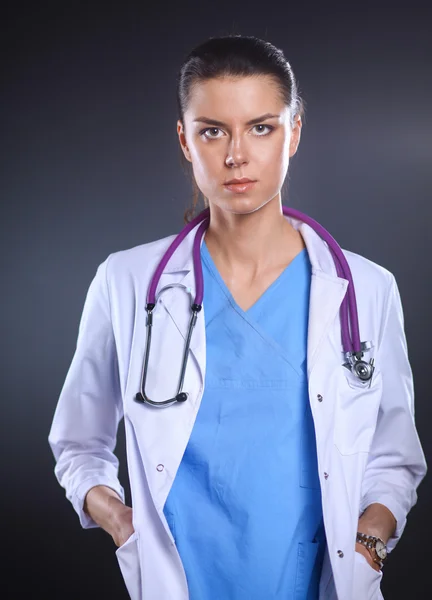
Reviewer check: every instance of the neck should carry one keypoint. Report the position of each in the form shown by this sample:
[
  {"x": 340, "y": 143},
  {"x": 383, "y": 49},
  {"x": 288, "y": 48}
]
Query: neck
[{"x": 251, "y": 244}]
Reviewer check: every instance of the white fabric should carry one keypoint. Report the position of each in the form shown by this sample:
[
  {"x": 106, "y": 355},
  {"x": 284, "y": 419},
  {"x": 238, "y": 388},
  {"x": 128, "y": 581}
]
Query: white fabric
[{"x": 367, "y": 441}]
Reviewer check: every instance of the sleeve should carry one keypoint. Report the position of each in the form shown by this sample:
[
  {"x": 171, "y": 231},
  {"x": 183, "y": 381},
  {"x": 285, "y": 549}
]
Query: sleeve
[
  {"x": 396, "y": 463},
  {"x": 84, "y": 428}
]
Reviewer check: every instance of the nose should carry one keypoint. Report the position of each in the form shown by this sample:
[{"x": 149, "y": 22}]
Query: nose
[{"x": 236, "y": 155}]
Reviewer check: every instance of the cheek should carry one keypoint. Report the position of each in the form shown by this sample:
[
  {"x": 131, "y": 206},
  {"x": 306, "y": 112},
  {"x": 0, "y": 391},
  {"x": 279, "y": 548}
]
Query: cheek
[
  {"x": 275, "y": 150},
  {"x": 274, "y": 161},
  {"x": 205, "y": 165},
  {"x": 282, "y": 159}
]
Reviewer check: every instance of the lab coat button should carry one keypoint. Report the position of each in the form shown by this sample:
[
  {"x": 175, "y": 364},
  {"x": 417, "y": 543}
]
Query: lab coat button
[
  {"x": 326, "y": 475},
  {"x": 160, "y": 467},
  {"x": 320, "y": 398},
  {"x": 340, "y": 553}
]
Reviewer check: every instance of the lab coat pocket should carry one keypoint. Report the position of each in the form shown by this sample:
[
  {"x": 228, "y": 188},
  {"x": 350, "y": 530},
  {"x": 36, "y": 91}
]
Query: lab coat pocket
[
  {"x": 128, "y": 559},
  {"x": 367, "y": 581},
  {"x": 354, "y": 381},
  {"x": 356, "y": 411},
  {"x": 306, "y": 557}
]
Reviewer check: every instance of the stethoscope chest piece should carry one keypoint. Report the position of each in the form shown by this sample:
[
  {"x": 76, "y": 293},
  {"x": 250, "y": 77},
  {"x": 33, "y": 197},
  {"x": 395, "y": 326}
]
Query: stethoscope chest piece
[
  {"x": 359, "y": 367},
  {"x": 364, "y": 370}
]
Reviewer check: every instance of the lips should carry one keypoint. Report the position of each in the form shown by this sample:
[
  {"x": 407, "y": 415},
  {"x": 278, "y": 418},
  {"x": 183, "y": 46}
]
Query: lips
[
  {"x": 236, "y": 181},
  {"x": 240, "y": 188}
]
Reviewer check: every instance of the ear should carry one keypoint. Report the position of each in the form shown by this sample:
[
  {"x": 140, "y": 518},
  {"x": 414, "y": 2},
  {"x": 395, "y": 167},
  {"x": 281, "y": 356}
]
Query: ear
[
  {"x": 182, "y": 140},
  {"x": 295, "y": 136}
]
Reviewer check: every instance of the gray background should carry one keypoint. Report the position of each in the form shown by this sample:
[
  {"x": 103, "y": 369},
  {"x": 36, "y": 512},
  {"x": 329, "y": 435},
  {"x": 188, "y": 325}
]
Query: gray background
[{"x": 90, "y": 165}]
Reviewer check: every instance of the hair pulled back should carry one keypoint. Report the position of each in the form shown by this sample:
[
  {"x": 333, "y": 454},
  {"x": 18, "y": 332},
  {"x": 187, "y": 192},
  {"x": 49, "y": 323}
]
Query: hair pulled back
[{"x": 233, "y": 56}]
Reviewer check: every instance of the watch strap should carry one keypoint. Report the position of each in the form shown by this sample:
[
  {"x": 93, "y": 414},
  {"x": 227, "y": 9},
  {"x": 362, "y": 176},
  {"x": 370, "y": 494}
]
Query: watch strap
[{"x": 369, "y": 542}]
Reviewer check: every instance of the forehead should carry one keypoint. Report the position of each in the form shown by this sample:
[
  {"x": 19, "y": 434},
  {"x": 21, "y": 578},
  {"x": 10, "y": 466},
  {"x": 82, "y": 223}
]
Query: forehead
[{"x": 239, "y": 95}]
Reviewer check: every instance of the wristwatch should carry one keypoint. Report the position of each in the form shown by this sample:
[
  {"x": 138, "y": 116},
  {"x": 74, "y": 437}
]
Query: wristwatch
[{"x": 375, "y": 545}]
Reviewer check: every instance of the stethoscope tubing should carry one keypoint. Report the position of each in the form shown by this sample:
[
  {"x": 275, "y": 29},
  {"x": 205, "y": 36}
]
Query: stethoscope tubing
[
  {"x": 348, "y": 310},
  {"x": 352, "y": 347}
]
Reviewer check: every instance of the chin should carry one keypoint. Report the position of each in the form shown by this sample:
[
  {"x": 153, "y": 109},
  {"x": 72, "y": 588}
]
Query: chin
[{"x": 240, "y": 205}]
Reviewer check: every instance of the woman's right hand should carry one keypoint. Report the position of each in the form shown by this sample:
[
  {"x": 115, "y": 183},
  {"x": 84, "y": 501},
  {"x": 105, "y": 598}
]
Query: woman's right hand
[
  {"x": 122, "y": 527},
  {"x": 106, "y": 508}
]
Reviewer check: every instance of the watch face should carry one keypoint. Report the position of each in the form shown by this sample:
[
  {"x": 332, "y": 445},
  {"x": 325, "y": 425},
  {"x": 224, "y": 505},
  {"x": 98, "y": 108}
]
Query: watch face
[{"x": 381, "y": 550}]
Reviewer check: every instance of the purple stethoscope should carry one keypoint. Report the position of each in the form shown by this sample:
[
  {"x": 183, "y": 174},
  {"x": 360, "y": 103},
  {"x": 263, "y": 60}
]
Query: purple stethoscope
[{"x": 353, "y": 350}]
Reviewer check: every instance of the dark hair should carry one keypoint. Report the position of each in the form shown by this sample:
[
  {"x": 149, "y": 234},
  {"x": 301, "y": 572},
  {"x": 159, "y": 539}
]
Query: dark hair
[{"x": 235, "y": 56}]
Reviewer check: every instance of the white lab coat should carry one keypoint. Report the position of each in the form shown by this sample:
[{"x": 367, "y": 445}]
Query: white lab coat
[{"x": 367, "y": 444}]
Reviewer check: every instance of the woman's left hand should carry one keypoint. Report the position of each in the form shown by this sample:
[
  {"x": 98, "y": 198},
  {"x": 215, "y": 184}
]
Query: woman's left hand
[
  {"x": 377, "y": 520},
  {"x": 362, "y": 550}
]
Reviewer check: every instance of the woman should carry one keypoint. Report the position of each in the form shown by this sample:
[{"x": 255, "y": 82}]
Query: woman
[{"x": 256, "y": 485}]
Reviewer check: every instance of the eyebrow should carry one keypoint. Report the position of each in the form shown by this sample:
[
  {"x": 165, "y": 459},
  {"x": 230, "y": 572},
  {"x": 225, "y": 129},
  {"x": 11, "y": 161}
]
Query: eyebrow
[{"x": 221, "y": 124}]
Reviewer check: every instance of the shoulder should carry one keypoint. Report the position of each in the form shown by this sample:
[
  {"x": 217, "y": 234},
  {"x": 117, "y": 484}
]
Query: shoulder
[
  {"x": 375, "y": 289},
  {"x": 138, "y": 259},
  {"x": 367, "y": 274}
]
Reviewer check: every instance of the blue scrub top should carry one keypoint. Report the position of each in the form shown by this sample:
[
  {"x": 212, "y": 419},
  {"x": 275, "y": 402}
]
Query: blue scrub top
[{"x": 245, "y": 506}]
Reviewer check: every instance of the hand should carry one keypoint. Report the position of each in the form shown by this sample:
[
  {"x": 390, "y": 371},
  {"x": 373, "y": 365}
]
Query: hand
[
  {"x": 362, "y": 550},
  {"x": 376, "y": 520},
  {"x": 121, "y": 524},
  {"x": 106, "y": 508}
]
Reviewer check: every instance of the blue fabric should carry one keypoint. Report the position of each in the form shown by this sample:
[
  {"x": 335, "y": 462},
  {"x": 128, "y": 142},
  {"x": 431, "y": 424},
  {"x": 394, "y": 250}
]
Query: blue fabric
[{"x": 245, "y": 506}]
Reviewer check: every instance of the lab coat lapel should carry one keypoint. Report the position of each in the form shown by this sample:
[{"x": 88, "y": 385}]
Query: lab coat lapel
[{"x": 326, "y": 295}]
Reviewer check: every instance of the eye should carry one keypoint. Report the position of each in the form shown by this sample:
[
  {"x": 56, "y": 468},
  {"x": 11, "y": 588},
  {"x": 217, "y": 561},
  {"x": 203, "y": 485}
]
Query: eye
[
  {"x": 269, "y": 127},
  {"x": 204, "y": 131}
]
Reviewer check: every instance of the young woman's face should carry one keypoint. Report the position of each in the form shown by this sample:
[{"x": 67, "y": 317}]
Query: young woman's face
[{"x": 221, "y": 145}]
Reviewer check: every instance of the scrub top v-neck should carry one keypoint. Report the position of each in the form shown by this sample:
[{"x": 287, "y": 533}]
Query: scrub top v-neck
[{"x": 245, "y": 506}]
